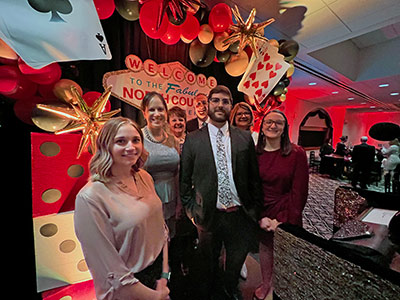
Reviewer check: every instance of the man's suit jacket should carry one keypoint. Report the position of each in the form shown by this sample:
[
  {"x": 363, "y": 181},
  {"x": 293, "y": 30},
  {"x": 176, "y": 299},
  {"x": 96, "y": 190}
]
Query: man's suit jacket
[
  {"x": 199, "y": 180},
  {"x": 192, "y": 125},
  {"x": 363, "y": 156}
]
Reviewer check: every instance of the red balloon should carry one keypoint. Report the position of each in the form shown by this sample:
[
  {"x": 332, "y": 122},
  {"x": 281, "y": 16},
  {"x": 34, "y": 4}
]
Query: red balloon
[
  {"x": 9, "y": 77},
  {"x": 91, "y": 97},
  {"x": 23, "y": 109},
  {"x": 173, "y": 34},
  {"x": 46, "y": 75},
  {"x": 105, "y": 8},
  {"x": 220, "y": 17},
  {"x": 23, "y": 88},
  {"x": 190, "y": 28},
  {"x": 148, "y": 20},
  {"x": 46, "y": 91}
]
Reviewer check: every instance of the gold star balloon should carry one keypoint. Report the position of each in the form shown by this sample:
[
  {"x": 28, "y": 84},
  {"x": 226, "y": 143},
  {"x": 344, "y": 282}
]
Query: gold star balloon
[
  {"x": 87, "y": 119},
  {"x": 246, "y": 33}
]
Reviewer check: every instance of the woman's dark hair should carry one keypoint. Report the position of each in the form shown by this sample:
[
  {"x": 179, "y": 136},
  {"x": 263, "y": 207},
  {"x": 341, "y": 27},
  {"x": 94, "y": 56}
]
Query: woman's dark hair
[
  {"x": 286, "y": 145},
  {"x": 149, "y": 96}
]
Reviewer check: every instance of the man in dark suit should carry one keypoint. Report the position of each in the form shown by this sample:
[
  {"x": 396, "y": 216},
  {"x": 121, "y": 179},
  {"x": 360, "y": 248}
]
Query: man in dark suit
[
  {"x": 221, "y": 192},
  {"x": 201, "y": 108},
  {"x": 362, "y": 158}
]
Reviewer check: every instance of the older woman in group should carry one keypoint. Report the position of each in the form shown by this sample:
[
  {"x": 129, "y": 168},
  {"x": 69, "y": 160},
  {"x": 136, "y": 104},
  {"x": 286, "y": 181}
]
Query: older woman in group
[
  {"x": 163, "y": 160},
  {"x": 119, "y": 221},
  {"x": 242, "y": 117}
]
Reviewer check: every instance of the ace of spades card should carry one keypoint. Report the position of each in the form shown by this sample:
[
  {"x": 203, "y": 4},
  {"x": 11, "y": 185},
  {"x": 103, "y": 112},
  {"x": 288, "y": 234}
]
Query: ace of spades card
[
  {"x": 263, "y": 72},
  {"x": 43, "y": 32}
]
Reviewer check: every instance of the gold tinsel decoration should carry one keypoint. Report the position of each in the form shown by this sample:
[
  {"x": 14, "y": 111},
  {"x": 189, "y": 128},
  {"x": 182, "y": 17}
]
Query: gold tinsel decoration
[
  {"x": 87, "y": 119},
  {"x": 246, "y": 32}
]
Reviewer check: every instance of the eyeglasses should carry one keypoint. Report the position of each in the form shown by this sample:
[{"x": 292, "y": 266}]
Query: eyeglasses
[
  {"x": 277, "y": 123},
  {"x": 240, "y": 114},
  {"x": 215, "y": 101}
]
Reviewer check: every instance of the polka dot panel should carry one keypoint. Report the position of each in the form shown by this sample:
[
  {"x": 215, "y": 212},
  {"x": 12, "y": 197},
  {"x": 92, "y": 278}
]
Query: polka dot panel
[{"x": 57, "y": 175}]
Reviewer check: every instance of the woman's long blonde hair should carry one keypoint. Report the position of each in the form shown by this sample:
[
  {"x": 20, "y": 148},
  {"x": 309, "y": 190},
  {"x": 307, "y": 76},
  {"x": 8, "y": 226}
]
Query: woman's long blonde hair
[{"x": 101, "y": 162}]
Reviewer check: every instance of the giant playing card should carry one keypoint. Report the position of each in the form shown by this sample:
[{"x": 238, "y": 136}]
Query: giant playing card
[
  {"x": 42, "y": 32},
  {"x": 263, "y": 72}
]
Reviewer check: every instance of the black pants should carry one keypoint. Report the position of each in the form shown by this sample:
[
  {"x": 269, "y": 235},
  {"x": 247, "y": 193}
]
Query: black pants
[
  {"x": 360, "y": 175},
  {"x": 234, "y": 231}
]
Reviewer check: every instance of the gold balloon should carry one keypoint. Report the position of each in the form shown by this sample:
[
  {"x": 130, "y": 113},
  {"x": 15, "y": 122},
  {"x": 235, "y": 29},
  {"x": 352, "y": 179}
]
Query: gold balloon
[
  {"x": 290, "y": 71},
  {"x": 206, "y": 34},
  {"x": 274, "y": 42},
  {"x": 237, "y": 64},
  {"x": 62, "y": 90},
  {"x": 48, "y": 121},
  {"x": 186, "y": 41},
  {"x": 282, "y": 97},
  {"x": 218, "y": 41}
]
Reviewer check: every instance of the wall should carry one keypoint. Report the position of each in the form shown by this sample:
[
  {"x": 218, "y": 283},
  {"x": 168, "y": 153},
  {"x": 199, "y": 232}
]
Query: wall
[
  {"x": 358, "y": 124},
  {"x": 296, "y": 110}
]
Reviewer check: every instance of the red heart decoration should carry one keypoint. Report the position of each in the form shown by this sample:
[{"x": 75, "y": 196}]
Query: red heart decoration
[
  {"x": 247, "y": 84},
  {"x": 255, "y": 84},
  {"x": 278, "y": 66},
  {"x": 272, "y": 74},
  {"x": 265, "y": 84},
  {"x": 253, "y": 75},
  {"x": 266, "y": 57},
  {"x": 259, "y": 92},
  {"x": 268, "y": 66},
  {"x": 260, "y": 66}
]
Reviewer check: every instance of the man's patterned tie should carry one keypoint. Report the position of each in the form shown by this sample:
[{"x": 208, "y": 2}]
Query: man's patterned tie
[{"x": 224, "y": 191}]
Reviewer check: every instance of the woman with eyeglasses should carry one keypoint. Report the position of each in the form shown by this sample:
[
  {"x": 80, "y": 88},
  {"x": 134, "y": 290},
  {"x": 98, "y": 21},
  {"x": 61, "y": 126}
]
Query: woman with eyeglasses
[{"x": 283, "y": 170}]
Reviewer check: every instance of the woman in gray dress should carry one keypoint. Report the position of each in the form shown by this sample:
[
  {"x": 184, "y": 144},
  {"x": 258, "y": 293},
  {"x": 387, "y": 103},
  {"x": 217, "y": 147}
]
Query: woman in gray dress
[{"x": 163, "y": 160}]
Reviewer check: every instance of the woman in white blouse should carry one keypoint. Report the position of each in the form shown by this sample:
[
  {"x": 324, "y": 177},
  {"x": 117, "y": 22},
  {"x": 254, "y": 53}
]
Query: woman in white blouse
[{"x": 119, "y": 219}]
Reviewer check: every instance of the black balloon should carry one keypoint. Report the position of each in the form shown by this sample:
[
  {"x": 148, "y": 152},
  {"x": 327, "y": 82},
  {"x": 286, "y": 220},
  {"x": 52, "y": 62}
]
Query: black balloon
[
  {"x": 128, "y": 9},
  {"x": 178, "y": 20},
  {"x": 384, "y": 131},
  {"x": 223, "y": 56},
  {"x": 279, "y": 88},
  {"x": 234, "y": 47},
  {"x": 289, "y": 49},
  {"x": 200, "y": 54}
]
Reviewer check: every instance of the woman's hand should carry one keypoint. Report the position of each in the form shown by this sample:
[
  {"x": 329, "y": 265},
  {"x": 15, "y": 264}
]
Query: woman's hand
[
  {"x": 162, "y": 289},
  {"x": 269, "y": 224}
]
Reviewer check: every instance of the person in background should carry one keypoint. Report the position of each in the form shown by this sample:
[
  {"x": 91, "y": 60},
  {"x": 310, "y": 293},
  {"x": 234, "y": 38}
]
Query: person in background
[
  {"x": 163, "y": 160},
  {"x": 242, "y": 117},
  {"x": 201, "y": 108},
  {"x": 363, "y": 157},
  {"x": 118, "y": 218},
  {"x": 391, "y": 154},
  {"x": 341, "y": 148},
  {"x": 177, "y": 124},
  {"x": 221, "y": 192},
  {"x": 284, "y": 175}
]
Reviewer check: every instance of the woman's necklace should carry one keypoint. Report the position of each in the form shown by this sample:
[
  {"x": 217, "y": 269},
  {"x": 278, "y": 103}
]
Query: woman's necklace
[{"x": 151, "y": 138}]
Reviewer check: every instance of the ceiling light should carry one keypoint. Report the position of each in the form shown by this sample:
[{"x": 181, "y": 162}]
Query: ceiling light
[
  {"x": 372, "y": 106},
  {"x": 363, "y": 102},
  {"x": 335, "y": 92},
  {"x": 350, "y": 98},
  {"x": 384, "y": 85},
  {"x": 394, "y": 94},
  {"x": 312, "y": 83}
]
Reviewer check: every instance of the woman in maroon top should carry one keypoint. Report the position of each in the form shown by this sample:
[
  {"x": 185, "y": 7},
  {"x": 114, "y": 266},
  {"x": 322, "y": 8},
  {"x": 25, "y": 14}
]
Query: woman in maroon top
[{"x": 284, "y": 173}]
